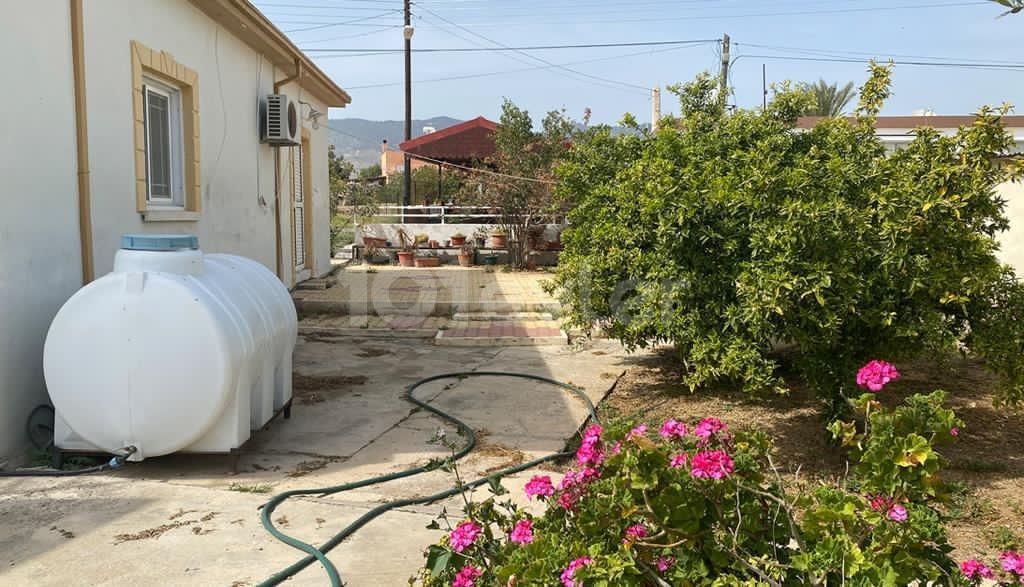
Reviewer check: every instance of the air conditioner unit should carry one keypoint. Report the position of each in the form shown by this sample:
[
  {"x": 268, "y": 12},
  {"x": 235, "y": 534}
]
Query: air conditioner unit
[{"x": 279, "y": 123}]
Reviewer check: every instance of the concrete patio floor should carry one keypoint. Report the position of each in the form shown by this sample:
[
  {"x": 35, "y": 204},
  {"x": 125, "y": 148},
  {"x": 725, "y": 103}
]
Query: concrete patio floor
[
  {"x": 188, "y": 520},
  {"x": 442, "y": 291}
]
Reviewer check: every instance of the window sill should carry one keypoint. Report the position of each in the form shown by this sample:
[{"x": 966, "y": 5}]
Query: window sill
[{"x": 170, "y": 216}]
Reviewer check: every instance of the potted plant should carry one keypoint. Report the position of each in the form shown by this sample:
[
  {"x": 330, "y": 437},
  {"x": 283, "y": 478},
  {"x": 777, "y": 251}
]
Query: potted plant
[
  {"x": 406, "y": 255},
  {"x": 499, "y": 238},
  {"x": 480, "y": 237},
  {"x": 466, "y": 255},
  {"x": 458, "y": 239},
  {"x": 422, "y": 240},
  {"x": 428, "y": 261},
  {"x": 374, "y": 241},
  {"x": 434, "y": 244}
]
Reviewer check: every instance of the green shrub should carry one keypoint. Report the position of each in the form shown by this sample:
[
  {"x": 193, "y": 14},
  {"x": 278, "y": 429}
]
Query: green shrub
[
  {"x": 726, "y": 234},
  {"x": 700, "y": 505}
]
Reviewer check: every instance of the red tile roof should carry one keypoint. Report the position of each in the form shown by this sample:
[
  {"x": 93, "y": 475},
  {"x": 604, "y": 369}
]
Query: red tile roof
[{"x": 472, "y": 140}]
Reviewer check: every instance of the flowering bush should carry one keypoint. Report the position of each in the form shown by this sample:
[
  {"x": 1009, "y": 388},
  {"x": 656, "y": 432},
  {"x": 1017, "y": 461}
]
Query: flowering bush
[{"x": 700, "y": 504}]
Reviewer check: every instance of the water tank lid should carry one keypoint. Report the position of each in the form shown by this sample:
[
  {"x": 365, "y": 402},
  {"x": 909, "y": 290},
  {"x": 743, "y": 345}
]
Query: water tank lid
[{"x": 159, "y": 242}]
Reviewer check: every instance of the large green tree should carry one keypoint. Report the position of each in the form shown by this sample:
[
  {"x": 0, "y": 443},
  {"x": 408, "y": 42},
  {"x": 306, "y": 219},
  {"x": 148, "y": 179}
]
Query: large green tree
[
  {"x": 830, "y": 99},
  {"x": 727, "y": 234}
]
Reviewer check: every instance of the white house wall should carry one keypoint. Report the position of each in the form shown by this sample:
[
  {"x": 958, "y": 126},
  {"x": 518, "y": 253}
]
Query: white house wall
[
  {"x": 236, "y": 171},
  {"x": 40, "y": 263}
]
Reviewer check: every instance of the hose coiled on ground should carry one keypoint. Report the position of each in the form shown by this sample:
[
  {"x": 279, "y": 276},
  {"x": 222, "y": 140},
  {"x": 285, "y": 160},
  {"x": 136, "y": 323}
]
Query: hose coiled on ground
[{"x": 315, "y": 554}]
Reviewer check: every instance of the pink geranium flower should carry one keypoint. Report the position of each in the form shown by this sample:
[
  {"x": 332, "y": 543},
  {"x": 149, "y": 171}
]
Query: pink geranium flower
[
  {"x": 1013, "y": 562},
  {"x": 876, "y": 374},
  {"x": 712, "y": 464},
  {"x": 973, "y": 569},
  {"x": 589, "y": 452},
  {"x": 570, "y": 571},
  {"x": 708, "y": 426},
  {"x": 539, "y": 485},
  {"x": 522, "y": 532},
  {"x": 637, "y": 432},
  {"x": 463, "y": 535},
  {"x": 679, "y": 460},
  {"x": 467, "y": 576},
  {"x": 665, "y": 563},
  {"x": 954, "y": 431},
  {"x": 897, "y": 513},
  {"x": 672, "y": 429},
  {"x": 634, "y": 533}
]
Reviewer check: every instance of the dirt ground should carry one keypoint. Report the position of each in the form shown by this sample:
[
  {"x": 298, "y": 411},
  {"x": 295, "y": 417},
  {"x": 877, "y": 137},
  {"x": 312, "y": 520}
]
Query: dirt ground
[{"x": 986, "y": 465}]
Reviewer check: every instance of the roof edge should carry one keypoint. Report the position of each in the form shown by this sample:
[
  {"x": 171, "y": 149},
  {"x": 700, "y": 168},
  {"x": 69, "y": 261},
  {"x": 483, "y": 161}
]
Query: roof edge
[
  {"x": 478, "y": 122},
  {"x": 246, "y": 22}
]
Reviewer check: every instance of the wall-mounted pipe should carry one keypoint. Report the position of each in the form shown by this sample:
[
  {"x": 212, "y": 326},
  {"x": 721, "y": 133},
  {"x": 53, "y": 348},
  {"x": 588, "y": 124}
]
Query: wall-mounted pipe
[
  {"x": 277, "y": 179},
  {"x": 82, "y": 141}
]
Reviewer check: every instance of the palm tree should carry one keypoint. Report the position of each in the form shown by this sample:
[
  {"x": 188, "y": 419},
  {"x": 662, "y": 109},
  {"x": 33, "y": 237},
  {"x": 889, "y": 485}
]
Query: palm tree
[
  {"x": 1014, "y": 6},
  {"x": 831, "y": 98}
]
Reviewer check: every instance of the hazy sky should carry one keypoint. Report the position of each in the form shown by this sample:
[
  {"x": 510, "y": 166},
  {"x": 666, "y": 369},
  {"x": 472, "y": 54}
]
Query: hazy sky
[{"x": 916, "y": 30}]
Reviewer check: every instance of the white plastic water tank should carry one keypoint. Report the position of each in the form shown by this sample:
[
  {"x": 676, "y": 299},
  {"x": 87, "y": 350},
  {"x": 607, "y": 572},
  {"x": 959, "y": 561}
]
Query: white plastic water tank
[{"x": 174, "y": 350}]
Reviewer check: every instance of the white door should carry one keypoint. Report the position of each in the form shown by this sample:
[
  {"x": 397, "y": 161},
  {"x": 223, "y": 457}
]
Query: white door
[{"x": 298, "y": 212}]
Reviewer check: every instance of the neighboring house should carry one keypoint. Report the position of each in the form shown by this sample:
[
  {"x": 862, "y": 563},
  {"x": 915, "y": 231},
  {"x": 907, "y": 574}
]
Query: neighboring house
[
  {"x": 895, "y": 131},
  {"x": 143, "y": 116},
  {"x": 465, "y": 143}
]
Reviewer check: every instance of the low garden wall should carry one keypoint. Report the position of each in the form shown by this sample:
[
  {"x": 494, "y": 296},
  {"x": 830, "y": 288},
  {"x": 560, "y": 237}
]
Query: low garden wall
[{"x": 438, "y": 232}]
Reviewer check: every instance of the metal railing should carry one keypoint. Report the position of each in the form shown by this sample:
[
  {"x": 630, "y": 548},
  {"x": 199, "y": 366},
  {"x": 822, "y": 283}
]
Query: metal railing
[{"x": 441, "y": 214}]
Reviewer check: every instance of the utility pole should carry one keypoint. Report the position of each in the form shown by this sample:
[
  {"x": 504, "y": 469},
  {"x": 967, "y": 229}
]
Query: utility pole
[
  {"x": 764, "y": 87},
  {"x": 655, "y": 108},
  {"x": 723, "y": 82},
  {"x": 407, "y": 32}
]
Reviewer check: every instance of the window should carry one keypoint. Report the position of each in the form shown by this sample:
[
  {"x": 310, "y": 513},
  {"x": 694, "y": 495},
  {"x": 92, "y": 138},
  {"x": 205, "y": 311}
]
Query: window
[
  {"x": 165, "y": 178},
  {"x": 165, "y": 106}
]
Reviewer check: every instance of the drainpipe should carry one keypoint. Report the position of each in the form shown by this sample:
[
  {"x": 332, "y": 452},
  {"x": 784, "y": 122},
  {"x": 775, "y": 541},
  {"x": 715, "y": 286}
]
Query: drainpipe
[
  {"x": 277, "y": 177},
  {"x": 82, "y": 142}
]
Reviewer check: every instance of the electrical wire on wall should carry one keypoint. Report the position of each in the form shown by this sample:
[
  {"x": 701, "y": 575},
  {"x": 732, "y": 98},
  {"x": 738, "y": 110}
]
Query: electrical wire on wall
[{"x": 259, "y": 103}]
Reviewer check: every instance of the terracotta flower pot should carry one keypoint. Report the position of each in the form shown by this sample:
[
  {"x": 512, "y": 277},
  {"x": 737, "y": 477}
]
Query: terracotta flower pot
[
  {"x": 406, "y": 258},
  {"x": 428, "y": 262},
  {"x": 466, "y": 260},
  {"x": 374, "y": 241},
  {"x": 458, "y": 241},
  {"x": 499, "y": 241}
]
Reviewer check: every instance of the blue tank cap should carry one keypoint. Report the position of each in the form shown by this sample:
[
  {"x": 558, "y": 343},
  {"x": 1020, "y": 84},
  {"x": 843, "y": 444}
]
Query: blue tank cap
[{"x": 159, "y": 242}]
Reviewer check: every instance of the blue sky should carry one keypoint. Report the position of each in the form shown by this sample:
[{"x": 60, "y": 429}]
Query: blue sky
[{"x": 962, "y": 32}]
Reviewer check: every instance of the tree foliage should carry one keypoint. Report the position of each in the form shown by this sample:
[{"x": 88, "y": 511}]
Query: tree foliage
[
  {"x": 831, "y": 100},
  {"x": 726, "y": 234},
  {"x": 521, "y": 191}
]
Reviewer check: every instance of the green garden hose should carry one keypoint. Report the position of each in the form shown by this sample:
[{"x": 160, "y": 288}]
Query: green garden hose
[{"x": 314, "y": 554}]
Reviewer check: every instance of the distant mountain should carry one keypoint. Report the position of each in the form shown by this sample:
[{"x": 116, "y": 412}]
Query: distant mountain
[{"x": 359, "y": 139}]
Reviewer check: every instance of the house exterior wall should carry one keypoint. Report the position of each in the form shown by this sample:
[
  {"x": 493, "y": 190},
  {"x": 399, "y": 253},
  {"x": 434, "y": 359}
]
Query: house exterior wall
[
  {"x": 40, "y": 267},
  {"x": 40, "y": 255}
]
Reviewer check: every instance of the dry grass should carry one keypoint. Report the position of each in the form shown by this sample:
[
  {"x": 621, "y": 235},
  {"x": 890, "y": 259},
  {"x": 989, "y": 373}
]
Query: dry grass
[{"x": 986, "y": 464}]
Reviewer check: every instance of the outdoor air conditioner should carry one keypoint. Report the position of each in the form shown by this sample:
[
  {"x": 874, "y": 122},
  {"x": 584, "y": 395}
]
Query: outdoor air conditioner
[{"x": 279, "y": 124}]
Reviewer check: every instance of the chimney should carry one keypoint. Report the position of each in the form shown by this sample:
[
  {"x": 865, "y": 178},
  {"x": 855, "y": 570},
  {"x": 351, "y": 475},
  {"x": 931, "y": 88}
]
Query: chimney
[{"x": 384, "y": 146}]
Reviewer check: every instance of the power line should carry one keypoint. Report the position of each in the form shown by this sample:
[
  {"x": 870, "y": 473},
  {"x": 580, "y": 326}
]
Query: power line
[
  {"x": 347, "y": 22},
  {"x": 505, "y": 23},
  {"x": 523, "y": 48},
  {"x": 988, "y": 66},
  {"x": 535, "y": 58},
  {"x": 454, "y": 165},
  {"x": 877, "y": 54},
  {"x": 508, "y": 71}
]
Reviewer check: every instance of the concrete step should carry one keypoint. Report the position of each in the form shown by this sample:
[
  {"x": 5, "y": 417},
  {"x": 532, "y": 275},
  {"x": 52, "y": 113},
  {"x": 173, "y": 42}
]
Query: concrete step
[
  {"x": 315, "y": 283},
  {"x": 371, "y": 326},
  {"x": 502, "y": 333},
  {"x": 500, "y": 316},
  {"x": 307, "y": 307}
]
